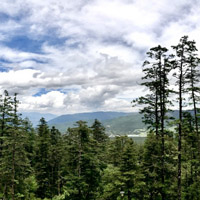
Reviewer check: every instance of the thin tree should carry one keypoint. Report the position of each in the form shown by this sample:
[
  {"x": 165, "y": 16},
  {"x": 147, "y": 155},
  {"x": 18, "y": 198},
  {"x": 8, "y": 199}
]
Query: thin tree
[
  {"x": 184, "y": 50},
  {"x": 156, "y": 71}
]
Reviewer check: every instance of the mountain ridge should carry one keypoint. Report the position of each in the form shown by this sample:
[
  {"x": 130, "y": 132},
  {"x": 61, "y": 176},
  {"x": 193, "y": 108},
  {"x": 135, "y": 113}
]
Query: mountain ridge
[
  {"x": 100, "y": 115},
  {"x": 114, "y": 122}
]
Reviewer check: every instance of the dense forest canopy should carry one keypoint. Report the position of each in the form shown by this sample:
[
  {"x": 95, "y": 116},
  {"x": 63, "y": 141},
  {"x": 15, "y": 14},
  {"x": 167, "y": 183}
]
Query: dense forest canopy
[{"x": 85, "y": 164}]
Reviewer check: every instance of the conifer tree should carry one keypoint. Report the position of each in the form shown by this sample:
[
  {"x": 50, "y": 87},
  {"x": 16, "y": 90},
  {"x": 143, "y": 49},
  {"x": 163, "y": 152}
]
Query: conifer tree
[
  {"x": 83, "y": 175},
  {"x": 98, "y": 131},
  {"x": 15, "y": 166},
  {"x": 30, "y": 145},
  {"x": 192, "y": 80},
  {"x": 130, "y": 176},
  {"x": 189, "y": 158},
  {"x": 100, "y": 140},
  {"x": 182, "y": 64},
  {"x": 156, "y": 102},
  {"x": 155, "y": 79},
  {"x": 55, "y": 161},
  {"x": 123, "y": 173},
  {"x": 6, "y": 109},
  {"x": 42, "y": 165}
]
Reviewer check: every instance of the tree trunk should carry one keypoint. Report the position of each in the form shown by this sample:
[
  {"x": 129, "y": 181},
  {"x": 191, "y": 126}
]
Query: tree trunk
[
  {"x": 13, "y": 173},
  {"x": 180, "y": 127}
]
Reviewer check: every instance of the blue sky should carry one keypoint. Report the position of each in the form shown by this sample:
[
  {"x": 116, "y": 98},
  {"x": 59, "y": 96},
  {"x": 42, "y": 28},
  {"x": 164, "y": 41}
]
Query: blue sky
[{"x": 85, "y": 55}]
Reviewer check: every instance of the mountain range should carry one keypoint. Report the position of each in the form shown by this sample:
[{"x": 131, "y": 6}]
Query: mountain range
[{"x": 116, "y": 123}]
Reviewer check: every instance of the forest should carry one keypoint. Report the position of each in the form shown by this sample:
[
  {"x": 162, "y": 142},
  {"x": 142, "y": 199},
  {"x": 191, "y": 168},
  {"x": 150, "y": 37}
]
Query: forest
[{"x": 85, "y": 164}]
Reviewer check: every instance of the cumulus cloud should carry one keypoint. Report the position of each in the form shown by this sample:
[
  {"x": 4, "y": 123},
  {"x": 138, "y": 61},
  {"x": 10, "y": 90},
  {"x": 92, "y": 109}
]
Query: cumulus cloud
[{"x": 87, "y": 54}]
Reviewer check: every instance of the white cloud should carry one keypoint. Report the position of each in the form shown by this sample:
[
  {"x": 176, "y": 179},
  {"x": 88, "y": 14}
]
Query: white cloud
[
  {"x": 52, "y": 100},
  {"x": 91, "y": 50}
]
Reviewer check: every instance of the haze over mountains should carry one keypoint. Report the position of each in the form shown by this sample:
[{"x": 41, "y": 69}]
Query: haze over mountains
[
  {"x": 35, "y": 117},
  {"x": 114, "y": 122}
]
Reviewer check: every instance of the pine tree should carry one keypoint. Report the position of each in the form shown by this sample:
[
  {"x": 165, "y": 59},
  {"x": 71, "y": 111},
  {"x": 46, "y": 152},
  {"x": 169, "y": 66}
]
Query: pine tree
[
  {"x": 155, "y": 79},
  {"x": 31, "y": 140},
  {"x": 111, "y": 183},
  {"x": 83, "y": 175},
  {"x": 42, "y": 164},
  {"x": 6, "y": 109},
  {"x": 156, "y": 102},
  {"x": 189, "y": 158},
  {"x": 98, "y": 131},
  {"x": 130, "y": 177},
  {"x": 55, "y": 161},
  {"x": 152, "y": 167},
  {"x": 192, "y": 79},
  {"x": 100, "y": 139},
  {"x": 115, "y": 149},
  {"x": 182, "y": 64},
  {"x": 15, "y": 166}
]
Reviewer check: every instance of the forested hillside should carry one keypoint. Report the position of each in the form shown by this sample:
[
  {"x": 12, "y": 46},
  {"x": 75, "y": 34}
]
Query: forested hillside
[
  {"x": 85, "y": 164},
  {"x": 109, "y": 119}
]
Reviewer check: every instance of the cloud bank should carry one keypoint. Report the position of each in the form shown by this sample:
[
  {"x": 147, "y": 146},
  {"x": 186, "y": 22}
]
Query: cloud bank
[{"x": 78, "y": 56}]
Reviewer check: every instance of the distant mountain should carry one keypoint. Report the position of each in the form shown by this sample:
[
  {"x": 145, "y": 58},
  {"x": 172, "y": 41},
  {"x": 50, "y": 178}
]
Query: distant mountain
[
  {"x": 35, "y": 117},
  {"x": 115, "y": 122},
  {"x": 101, "y": 116},
  {"x": 130, "y": 124}
]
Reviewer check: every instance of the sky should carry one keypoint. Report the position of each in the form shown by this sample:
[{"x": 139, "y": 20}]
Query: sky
[{"x": 64, "y": 56}]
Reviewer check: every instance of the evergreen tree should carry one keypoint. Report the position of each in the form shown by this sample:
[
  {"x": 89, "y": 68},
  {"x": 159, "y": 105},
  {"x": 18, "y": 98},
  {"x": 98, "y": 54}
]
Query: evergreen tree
[
  {"x": 156, "y": 103},
  {"x": 42, "y": 164},
  {"x": 152, "y": 167},
  {"x": 83, "y": 175},
  {"x": 6, "y": 109},
  {"x": 100, "y": 140},
  {"x": 98, "y": 131},
  {"x": 55, "y": 161},
  {"x": 30, "y": 145},
  {"x": 189, "y": 158},
  {"x": 131, "y": 178},
  {"x": 115, "y": 149},
  {"x": 182, "y": 64},
  {"x": 123, "y": 172},
  {"x": 15, "y": 166},
  {"x": 192, "y": 79},
  {"x": 111, "y": 183}
]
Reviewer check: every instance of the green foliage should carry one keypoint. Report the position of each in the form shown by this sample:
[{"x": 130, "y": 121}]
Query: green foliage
[
  {"x": 83, "y": 174},
  {"x": 42, "y": 164},
  {"x": 111, "y": 183},
  {"x": 14, "y": 163},
  {"x": 85, "y": 164}
]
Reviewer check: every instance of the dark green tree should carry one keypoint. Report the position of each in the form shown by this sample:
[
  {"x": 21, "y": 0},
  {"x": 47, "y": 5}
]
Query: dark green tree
[
  {"x": 15, "y": 166},
  {"x": 190, "y": 179},
  {"x": 42, "y": 164},
  {"x": 98, "y": 132},
  {"x": 100, "y": 139},
  {"x": 192, "y": 80},
  {"x": 123, "y": 172},
  {"x": 83, "y": 175},
  {"x": 157, "y": 102},
  {"x": 30, "y": 145},
  {"x": 131, "y": 178},
  {"x": 185, "y": 51},
  {"x": 55, "y": 161},
  {"x": 152, "y": 167},
  {"x": 6, "y": 109}
]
